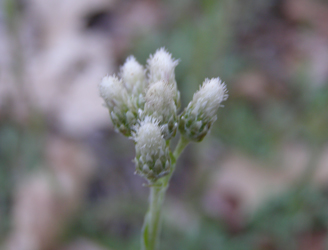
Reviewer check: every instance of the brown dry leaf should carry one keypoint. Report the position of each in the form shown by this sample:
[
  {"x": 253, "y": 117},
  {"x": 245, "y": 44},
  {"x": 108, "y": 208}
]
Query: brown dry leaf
[
  {"x": 45, "y": 200},
  {"x": 252, "y": 85},
  {"x": 245, "y": 181},
  {"x": 312, "y": 12},
  {"x": 64, "y": 71},
  {"x": 133, "y": 19},
  {"x": 242, "y": 184},
  {"x": 257, "y": 88},
  {"x": 62, "y": 64}
]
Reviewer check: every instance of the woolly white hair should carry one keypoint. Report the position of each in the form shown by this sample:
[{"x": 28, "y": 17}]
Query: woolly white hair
[
  {"x": 148, "y": 137},
  {"x": 133, "y": 75},
  {"x": 208, "y": 98},
  {"x": 161, "y": 66},
  {"x": 160, "y": 101},
  {"x": 112, "y": 91}
]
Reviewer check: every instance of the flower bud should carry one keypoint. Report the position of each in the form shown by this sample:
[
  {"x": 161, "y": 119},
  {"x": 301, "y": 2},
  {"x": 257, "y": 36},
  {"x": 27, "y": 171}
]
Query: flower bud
[
  {"x": 116, "y": 99},
  {"x": 161, "y": 67},
  {"x": 160, "y": 105},
  {"x": 152, "y": 156},
  {"x": 197, "y": 119},
  {"x": 134, "y": 79},
  {"x": 113, "y": 92}
]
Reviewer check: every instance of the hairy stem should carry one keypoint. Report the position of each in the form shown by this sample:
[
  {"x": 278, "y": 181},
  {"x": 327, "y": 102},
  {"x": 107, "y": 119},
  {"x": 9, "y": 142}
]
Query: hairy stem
[
  {"x": 151, "y": 228},
  {"x": 183, "y": 142},
  {"x": 152, "y": 222}
]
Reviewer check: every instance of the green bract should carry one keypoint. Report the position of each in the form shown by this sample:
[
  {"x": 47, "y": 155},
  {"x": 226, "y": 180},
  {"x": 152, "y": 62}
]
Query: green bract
[
  {"x": 152, "y": 155},
  {"x": 197, "y": 119}
]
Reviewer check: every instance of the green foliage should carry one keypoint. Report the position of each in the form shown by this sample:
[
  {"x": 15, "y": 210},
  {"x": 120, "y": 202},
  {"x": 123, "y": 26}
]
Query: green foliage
[
  {"x": 20, "y": 152},
  {"x": 8, "y": 148}
]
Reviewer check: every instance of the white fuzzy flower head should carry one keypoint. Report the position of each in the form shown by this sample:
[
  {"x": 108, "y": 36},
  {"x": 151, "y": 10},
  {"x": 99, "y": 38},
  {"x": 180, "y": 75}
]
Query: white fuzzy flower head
[
  {"x": 160, "y": 101},
  {"x": 148, "y": 137},
  {"x": 208, "y": 98},
  {"x": 123, "y": 115},
  {"x": 113, "y": 92},
  {"x": 133, "y": 76},
  {"x": 161, "y": 66},
  {"x": 160, "y": 105},
  {"x": 152, "y": 156},
  {"x": 197, "y": 119}
]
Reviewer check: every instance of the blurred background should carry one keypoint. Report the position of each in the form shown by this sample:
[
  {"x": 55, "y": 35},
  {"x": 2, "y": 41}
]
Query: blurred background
[{"x": 258, "y": 182}]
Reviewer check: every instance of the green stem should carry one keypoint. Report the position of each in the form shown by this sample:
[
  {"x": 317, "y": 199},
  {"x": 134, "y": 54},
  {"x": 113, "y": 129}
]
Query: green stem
[
  {"x": 183, "y": 142},
  {"x": 151, "y": 228},
  {"x": 152, "y": 223}
]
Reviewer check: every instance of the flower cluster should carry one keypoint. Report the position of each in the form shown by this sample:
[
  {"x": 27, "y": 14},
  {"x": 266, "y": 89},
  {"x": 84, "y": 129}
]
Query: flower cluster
[{"x": 143, "y": 104}]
